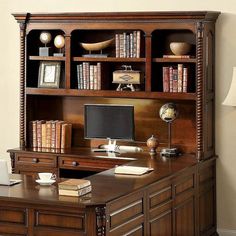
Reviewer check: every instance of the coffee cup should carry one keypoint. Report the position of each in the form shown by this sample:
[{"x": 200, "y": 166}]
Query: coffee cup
[{"x": 46, "y": 176}]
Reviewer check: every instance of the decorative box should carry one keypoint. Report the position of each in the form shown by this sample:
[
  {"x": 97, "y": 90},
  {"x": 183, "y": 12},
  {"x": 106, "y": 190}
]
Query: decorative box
[{"x": 126, "y": 76}]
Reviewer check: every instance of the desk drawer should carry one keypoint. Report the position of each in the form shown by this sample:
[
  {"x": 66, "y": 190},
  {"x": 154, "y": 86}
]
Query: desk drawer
[
  {"x": 87, "y": 164},
  {"x": 36, "y": 160},
  {"x": 13, "y": 215}
]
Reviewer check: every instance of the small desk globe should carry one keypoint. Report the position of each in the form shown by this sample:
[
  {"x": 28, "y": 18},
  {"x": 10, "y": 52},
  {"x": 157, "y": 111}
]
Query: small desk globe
[{"x": 168, "y": 113}]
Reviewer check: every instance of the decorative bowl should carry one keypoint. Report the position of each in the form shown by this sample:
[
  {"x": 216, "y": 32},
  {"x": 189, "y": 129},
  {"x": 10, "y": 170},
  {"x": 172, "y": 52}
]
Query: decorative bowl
[
  {"x": 180, "y": 48},
  {"x": 96, "y": 46}
]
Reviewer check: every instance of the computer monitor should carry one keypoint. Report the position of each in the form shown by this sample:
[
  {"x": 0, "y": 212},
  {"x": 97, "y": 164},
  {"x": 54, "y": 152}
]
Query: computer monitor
[{"x": 113, "y": 122}]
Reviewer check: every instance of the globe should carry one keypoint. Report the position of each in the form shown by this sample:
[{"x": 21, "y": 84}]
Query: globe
[
  {"x": 59, "y": 41},
  {"x": 168, "y": 112},
  {"x": 45, "y": 37}
]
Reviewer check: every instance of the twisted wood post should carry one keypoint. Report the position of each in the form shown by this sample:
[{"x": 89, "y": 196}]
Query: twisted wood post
[
  {"x": 22, "y": 85},
  {"x": 199, "y": 90}
]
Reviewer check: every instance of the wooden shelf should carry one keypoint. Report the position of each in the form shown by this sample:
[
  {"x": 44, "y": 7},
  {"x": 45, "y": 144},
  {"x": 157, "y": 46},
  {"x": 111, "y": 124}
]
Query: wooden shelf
[
  {"x": 111, "y": 93},
  {"x": 50, "y": 58},
  {"x": 175, "y": 60},
  {"x": 108, "y": 59}
]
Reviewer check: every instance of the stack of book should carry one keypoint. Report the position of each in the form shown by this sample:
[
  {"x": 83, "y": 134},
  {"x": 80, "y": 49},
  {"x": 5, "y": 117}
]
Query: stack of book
[
  {"x": 89, "y": 76},
  {"x": 50, "y": 134},
  {"x": 128, "y": 45},
  {"x": 175, "y": 79},
  {"x": 74, "y": 187}
]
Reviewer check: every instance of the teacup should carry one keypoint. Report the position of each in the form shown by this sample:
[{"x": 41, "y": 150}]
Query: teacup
[{"x": 46, "y": 176}]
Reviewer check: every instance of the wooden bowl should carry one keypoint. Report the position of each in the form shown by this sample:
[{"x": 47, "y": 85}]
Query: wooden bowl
[
  {"x": 96, "y": 46},
  {"x": 180, "y": 48}
]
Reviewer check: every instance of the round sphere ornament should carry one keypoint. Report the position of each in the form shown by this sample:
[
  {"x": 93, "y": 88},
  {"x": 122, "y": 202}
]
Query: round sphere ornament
[
  {"x": 152, "y": 144},
  {"x": 168, "y": 112},
  {"x": 59, "y": 41},
  {"x": 45, "y": 37}
]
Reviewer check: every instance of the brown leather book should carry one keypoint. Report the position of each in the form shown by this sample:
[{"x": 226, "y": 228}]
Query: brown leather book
[
  {"x": 33, "y": 133},
  {"x": 74, "y": 184},
  {"x": 48, "y": 133},
  {"x": 44, "y": 144},
  {"x": 58, "y": 133},
  {"x": 39, "y": 132},
  {"x": 53, "y": 134},
  {"x": 66, "y": 132}
]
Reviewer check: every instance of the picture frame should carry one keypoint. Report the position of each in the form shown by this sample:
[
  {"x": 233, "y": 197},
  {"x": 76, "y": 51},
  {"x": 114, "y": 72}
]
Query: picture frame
[{"x": 49, "y": 74}]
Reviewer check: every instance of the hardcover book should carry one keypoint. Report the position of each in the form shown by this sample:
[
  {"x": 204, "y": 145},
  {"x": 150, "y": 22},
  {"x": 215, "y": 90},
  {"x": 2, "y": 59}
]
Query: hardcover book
[
  {"x": 66, "y": 131},
  {"x": 74, "y": 184},
  {"x": 33, "y": 133},
  {"x": 75, "y": 193},
  {"x": 39, "y": 132}
]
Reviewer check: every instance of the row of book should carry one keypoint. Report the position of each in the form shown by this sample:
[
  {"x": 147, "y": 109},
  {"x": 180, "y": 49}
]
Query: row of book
[
  {"x": 89, "y": 76},
  {"x": 128, "y": 44},
  {"x": 50, "y": 134},
  {"x": 175, "y": 79},
  {"x": 74, "y": 187}
]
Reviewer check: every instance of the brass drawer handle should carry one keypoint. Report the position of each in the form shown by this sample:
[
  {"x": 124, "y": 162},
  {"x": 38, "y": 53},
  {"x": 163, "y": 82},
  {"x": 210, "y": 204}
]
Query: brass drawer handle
[
  {"x": 35, "y": 160},
  {"x": 75, "y": 163}
]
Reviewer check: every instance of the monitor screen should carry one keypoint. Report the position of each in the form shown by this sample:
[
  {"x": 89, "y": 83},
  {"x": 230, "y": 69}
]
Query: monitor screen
[{"x": 109, "y": 121}]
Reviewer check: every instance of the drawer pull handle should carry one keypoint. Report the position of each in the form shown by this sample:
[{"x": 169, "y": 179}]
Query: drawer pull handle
[
  {"x": 35, "y": 160},
  {"x": 75, "y": 163}
]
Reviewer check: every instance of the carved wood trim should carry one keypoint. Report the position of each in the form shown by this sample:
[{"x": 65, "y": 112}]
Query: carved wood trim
[
  {"x": 101, "y": 220},
  {"x": 199, "y": 90},
  {"x": 22, "y": 85}
]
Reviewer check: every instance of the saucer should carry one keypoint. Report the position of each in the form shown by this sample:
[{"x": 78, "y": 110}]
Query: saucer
[{"x": 47, "y": 182}]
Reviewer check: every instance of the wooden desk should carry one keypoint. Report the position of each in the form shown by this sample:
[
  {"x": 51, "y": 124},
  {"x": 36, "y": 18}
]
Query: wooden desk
[{"x": 168, "y": 201}]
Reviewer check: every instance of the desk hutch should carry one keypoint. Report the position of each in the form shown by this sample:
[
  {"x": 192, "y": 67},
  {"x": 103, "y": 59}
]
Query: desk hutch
[{"x": 179, "y": 198}]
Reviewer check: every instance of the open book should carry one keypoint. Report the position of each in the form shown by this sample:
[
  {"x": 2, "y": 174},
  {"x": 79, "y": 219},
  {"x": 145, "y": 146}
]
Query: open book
[{"x": 132, "y": 170}]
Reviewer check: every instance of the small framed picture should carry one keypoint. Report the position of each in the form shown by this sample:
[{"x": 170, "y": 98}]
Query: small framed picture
[{"x": 49, "y": 74}]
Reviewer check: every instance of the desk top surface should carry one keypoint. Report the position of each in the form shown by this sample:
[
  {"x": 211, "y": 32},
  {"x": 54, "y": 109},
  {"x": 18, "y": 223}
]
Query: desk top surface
[{"x": 106, "y": 186}]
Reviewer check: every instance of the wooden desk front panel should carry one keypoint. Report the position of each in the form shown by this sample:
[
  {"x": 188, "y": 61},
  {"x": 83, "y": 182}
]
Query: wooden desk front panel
[{"x": 37, "y": 221}]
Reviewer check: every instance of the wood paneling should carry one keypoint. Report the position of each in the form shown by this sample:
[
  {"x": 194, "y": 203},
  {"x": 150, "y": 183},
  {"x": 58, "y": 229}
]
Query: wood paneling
[
  {"x": 161, "y": 225},
  {"x": 59, "y": 220},
  {"x": 13, "y": 215},
  {"x": 185, "y": 218}
]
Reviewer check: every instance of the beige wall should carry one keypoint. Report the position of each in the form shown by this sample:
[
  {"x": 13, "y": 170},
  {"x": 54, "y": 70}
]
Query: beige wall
[{"x": 225, "y": 60}]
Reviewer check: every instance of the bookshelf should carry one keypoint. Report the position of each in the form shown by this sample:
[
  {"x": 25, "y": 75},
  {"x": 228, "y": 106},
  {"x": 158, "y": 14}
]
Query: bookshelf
[
  {"x": 192, "y": 132},
  {"x": 196, "y": 106}
]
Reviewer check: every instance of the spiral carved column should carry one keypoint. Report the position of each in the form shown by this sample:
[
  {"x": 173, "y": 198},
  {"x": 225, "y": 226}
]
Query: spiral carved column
[
  {"x": 22, "y": 85},
  {"x": 199, "y": 90},
  {"x": 101, "y": 220}
]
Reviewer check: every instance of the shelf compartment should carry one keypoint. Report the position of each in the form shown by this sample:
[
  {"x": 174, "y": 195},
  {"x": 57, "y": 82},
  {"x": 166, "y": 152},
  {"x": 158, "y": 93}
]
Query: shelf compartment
[
  {"x": 162, "y": 38},
  {"x": 123, "y": 38},
  {"x": 109, "y": 93},
  {"x": 49, "y": 58},
  {"x": 108, "y": 59}
]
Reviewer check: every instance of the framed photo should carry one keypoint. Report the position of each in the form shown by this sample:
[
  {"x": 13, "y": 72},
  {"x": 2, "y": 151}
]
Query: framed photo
[{"x": 49, "y": 74}]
